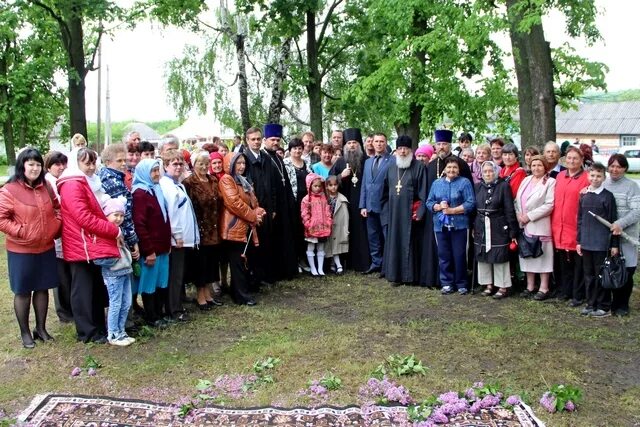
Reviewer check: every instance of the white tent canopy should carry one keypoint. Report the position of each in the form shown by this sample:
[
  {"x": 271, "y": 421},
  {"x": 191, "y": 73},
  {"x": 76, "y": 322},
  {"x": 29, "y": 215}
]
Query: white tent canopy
[{"x": 202, "y": 127}]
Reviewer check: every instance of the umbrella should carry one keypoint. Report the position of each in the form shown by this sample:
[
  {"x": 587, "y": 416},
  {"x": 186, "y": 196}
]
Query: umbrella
[{"x": 608, "y": 224}]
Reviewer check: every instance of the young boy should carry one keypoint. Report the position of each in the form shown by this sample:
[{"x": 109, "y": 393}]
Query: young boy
[
  {"x": 116, "y": 273},
  {"x": 595, "y": 239}
]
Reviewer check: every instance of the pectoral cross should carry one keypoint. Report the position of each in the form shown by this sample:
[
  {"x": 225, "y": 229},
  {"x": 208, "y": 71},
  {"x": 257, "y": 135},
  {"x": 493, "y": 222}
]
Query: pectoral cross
[{"x": 398, "y": 188}]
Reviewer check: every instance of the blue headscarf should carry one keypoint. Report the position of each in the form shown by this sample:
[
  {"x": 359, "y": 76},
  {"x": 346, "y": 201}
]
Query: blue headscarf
[{"x": 142, "y": 180}]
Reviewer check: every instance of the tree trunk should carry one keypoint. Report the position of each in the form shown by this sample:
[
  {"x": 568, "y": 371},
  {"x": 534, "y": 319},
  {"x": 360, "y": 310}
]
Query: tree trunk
[
  {"x": 77, "y": 72},
  {"x": 412, "y": 128},
  {"x": 242, "y": 84},
  {"x": 534, "y": 72},
  {"x": 277, "y": 92},
  {"x": 7, "y": 123},
  {"x": 314, "y": 85}
]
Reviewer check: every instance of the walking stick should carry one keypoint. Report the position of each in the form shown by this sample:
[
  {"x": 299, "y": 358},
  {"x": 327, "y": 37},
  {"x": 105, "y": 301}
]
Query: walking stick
[{"x": 244, "y": 252}]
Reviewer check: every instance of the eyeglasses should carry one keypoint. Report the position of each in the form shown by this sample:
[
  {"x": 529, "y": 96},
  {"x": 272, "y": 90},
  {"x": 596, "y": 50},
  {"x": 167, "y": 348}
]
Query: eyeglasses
[{"x": 176, "y": 165}]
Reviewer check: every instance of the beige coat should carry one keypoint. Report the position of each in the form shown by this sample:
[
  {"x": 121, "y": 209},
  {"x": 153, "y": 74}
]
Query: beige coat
[
  {"x": 539, "y": 206},
  {"x": 338, "y": 242}
]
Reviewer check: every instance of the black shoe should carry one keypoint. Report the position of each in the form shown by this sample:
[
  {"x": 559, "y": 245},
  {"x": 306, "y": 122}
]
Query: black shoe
[
  {"x": 215, "y": 302},
  {"x": 396, "y": 284},
  {"x": 574, "y": 303},
  {"x": 27, "y": 341},
  {"x": 381, "y": 276},
  {"x": 44, "y": 336},
  {"x": 372, "y": 270},
  {"x": 541, "y": 296},
  {"x": 182, "y": 317},
  {"x": 99, "y": 339},
  {"x": 251, "y": 303},
  {"x": 204, "y": 307},
  {"x": 621, "y": 312}
]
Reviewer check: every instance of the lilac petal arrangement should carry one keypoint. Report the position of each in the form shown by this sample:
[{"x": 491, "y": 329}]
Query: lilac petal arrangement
[
  {"x": 561, "y": 398},
  {"x": 317, "y": 391}
]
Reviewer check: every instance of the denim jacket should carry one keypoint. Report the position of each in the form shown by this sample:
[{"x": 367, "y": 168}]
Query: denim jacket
[{"x": 457, "y": 192}]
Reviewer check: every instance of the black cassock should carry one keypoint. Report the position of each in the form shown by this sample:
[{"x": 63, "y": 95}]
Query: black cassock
[
  {"x": 359, "y": 259},
  {"x": 430, "y": 273},
  {"x": 402, "y": 249}
]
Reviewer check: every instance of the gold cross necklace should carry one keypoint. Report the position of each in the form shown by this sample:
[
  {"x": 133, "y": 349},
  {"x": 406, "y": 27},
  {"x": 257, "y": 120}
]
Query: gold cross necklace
[{"x": 399, "y": 184}]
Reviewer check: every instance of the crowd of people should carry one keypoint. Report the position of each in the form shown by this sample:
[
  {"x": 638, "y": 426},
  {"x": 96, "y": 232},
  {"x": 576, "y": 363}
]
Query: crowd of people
[{"x": 140, "y": 221}]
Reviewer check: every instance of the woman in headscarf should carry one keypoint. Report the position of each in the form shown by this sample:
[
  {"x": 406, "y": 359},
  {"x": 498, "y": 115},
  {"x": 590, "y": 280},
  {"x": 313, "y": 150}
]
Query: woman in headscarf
[
  {"x": 240, "y": 216},
  {"x": 154, "y": 234},
  {"x": 86, "y": 236},
  {"x": 217, "y": 169},
  {"x": 495, "y": 228}
]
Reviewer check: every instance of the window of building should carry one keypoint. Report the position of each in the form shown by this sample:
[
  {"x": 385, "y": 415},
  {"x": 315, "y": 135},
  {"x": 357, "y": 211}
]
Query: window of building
[{"x": 628, "y": 140}]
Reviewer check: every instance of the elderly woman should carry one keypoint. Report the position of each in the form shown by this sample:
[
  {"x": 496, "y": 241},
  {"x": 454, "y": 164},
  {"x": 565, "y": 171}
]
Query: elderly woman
[
  {"x": 30, "y": 217},
  {"x": 185, "y": 234},
  {"x": 534, "y": 204},
  {"x": 86, "y": 236},
  {"x": 202, "y": 189},
  {"x": 424, "y": 153},
  {"x": 529, "y": 152},
  {"x": 511, "y": 170},
  {"x": 240, "y": 216},
  {"x": 564, "y": 227},
  {"x": 451, "y": 199},
  {"x": 627, "y": 195},
  {"x": 483, "y": 153},
  {"x": 55, "y": 163},
  {"x": 151, "y": 221},
  {"x": 297, "y": 171},
  {"x": 494, "y": 229}
]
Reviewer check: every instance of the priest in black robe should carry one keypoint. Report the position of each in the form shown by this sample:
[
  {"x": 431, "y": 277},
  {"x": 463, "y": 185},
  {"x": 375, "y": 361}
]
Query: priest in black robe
[
  {"x": 429, "y": 275},
  {"x": 403, "y": 210},
  {"x": 282, "y": 260},
  {"x": 348, "y": 169}
]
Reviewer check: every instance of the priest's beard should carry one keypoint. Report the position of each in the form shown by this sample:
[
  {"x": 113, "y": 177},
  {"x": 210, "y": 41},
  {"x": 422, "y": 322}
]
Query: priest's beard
[
  {"x": 354, "y": 158},
  {"x": 403, "y": 162}
]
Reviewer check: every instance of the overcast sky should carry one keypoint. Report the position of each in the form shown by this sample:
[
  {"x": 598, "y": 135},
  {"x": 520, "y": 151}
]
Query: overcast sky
[{"x": 136, "y": 61}]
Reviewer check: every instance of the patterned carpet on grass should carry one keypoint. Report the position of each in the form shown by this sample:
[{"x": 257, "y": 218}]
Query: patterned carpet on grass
[{"x": 83, "y": 411}]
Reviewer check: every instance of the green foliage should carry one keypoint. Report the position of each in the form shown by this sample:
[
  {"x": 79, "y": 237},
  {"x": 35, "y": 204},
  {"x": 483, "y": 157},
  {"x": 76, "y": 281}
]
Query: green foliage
[
  {"x": 331, "y": 382},
  {"x": 574, "y": 75},
  {"x": 261, "y": 366},
  {"x": 118, "y": 129},
  {"x": 618, "y": 96},
  {"x": 91, "y": 362},
  {"x": 565, "y": 393},
  {"x": 185, "y": 408},
  {"x": 398, "y": 365},
  {"x": 422, "y": 411},
  {"x": 487, "y": 389}
]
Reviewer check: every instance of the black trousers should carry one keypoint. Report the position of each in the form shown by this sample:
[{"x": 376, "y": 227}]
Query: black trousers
[
  {"x": 621, "y": 296},
  {"x": 239, "y": 273},
  {"x": 62, "y": 294},
  {"x": 568, "y": 274},
  {"x": 88, "y": 300},
  {"x": 597, "y": 297}
]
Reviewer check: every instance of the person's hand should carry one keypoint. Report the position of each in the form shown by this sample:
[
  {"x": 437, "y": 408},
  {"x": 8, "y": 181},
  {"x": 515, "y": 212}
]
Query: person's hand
[
  {"x": 346, "y": 172},
  {"x": 616, "y": 229},
  {"x": 150, "y": 260},
  {"x": 135, "y": 252},
  {"x": 179, "y": 243},
  {"x": 579, "y": 250},
  {"x": 363, "y": 213},
  {"x": 273, "y": 215},
  {"x": 523, "y": 218},
  {"x": 120, "y": 240},
  {"x": 615, "y": 251}
]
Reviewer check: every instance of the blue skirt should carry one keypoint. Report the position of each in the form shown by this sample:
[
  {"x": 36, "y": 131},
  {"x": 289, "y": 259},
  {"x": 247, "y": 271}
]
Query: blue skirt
[
  {"x": 32, "y": 272},
  {"x": 157, "y": 276}
]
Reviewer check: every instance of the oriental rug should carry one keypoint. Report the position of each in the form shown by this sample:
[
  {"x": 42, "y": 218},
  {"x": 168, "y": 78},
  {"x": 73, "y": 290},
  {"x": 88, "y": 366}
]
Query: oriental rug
[{"x": 83, "y": 411}]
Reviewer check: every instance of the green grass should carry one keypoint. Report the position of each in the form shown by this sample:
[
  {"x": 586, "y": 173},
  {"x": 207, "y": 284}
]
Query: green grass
[
  {"x": 347, "y": 326},
  {"x": 4, "y": 170}
]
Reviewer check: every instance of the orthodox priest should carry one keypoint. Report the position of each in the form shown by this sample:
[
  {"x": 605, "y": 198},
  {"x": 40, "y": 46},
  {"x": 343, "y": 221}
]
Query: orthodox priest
[
  {"x": 403, "y": 209},
  {"x": 429, "y": 275},
  {"x": 282, "y": 260},
  {"x": 348, "y": 169}
]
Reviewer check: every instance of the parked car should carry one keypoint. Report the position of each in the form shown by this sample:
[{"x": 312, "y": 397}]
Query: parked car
[{"x": 632, "y": 153}]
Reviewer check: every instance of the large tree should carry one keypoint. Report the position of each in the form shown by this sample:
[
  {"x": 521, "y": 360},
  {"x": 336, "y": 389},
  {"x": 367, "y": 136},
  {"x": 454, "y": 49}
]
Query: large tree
[{"x": 30, "y": 101}]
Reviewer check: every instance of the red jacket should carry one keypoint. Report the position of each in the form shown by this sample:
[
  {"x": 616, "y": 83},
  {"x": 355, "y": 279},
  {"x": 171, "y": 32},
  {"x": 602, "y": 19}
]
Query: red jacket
[
  {"x": 315, "y": 211},
  {"x": 514, "y": 175},
  {"x": 30, "y": 217},
  {"x": 564, "y": 218},
  {"x": 86, "y": 233}
]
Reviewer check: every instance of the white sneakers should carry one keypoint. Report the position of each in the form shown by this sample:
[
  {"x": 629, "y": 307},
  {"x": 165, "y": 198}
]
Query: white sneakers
[{"x": 121, "y": 340}]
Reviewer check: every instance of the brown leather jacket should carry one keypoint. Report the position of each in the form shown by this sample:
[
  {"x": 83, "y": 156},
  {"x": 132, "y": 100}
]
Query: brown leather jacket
[{"x": 239, "y": 213}]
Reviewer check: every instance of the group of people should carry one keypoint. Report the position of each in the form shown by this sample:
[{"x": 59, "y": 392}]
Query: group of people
[{"x": 146, "y": 223}]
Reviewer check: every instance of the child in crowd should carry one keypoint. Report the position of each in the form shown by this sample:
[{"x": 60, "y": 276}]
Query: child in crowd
[
  {"x": 339, "y": 240},
  {"x": 116, "y": 273},
  {"x": 316, "y": 219},
  {"x": 595, "y": 240}
]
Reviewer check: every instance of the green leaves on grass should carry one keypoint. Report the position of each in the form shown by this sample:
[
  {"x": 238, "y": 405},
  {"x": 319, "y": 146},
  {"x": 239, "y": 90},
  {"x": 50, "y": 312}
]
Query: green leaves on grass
[{"x": 398, "y": 365}]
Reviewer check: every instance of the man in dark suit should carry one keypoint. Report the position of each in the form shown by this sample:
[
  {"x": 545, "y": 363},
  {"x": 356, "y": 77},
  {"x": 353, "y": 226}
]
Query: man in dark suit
[{"x": 375, "y": 170}]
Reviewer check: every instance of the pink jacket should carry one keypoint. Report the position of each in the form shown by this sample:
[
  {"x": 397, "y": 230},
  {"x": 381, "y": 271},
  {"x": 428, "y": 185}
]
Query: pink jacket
[{"x": 315, "y": 211}]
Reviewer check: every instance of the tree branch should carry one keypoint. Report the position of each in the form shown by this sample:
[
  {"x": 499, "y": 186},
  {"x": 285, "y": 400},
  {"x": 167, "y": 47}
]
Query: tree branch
[
  {"x": 326, "y": 23},
  {"x": 299, "y": 54},
  {"x": 253, "y": 66},
  {"x": 225, "y": 30},
  {"x": 327, "y": 65},
  {"x": 333, "y": 98},
  {"x": 64, "y": 28},
  {"x": 294, "y": 116},
  {"x": 90, "y": 66}
]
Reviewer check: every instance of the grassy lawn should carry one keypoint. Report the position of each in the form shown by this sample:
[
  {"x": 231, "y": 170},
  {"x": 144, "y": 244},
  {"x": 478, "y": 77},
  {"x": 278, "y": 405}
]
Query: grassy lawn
[{"x": 347, "y": 326}]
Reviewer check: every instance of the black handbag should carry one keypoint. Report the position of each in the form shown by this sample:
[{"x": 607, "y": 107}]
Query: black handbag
[
  {"x": 529, "y": 246},
  {"x": 613, "y": 272}
]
